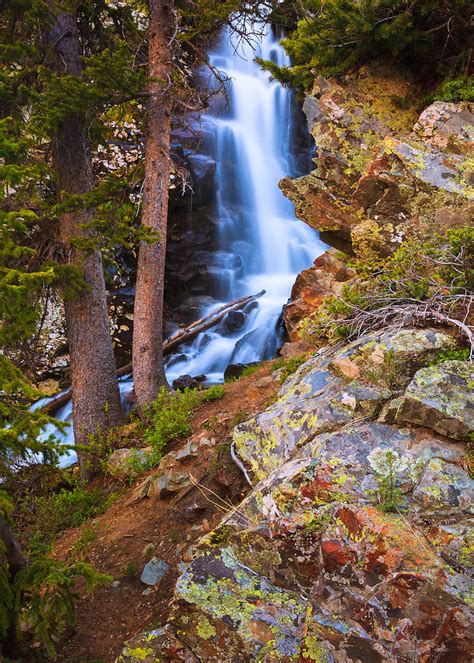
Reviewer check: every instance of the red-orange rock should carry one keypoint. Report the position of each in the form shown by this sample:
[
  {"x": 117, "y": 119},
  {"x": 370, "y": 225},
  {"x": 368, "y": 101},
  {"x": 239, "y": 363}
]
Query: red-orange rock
[{"x": 327, "y": 275}]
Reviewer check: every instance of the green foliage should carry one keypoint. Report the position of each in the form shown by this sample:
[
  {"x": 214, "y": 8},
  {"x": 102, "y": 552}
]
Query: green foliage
[
  {"x": 460, "y": 88},
  {"x": 333, "y": 36},
  {"x": 7, "y": 597},
  {"x": 45, "y": 594},
  {"x": 142, "y": 462},
  {"x": 458, "y": 354},
  {"x": 246, "y": 372},
  {"x": 88, "y": 536},
  {"x": 428, "y": 281},
  {"x": 213, "y": 393},
  {"x": 169, "y": 416},
  {"x": 69, "y": 508},
  {"x": 387, "y": 465},
  {"x": 130, "y": 569},
  {"x": 288, "y": 366}
]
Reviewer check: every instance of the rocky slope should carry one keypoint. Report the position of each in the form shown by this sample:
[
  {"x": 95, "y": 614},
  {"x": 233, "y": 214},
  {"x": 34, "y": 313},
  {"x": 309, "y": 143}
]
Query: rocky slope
[{"x": 355, "y": 542}]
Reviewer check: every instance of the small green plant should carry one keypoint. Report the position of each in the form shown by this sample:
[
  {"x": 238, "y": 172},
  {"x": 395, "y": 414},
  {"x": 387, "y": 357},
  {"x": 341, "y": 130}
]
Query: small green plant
[
  {"x": 98, "y": 451},
  {"x": 457, "y": 354},
  {"x": 88, "y": 536},
  {"x": 387, "y": 466},
  {"x": 69, "y": 508},
  {"x": 130, "y": 569},
  {"x": 288, "y": 366},
  {"x": 250, "y": 370},
  {"x": 214, "y": 393}
]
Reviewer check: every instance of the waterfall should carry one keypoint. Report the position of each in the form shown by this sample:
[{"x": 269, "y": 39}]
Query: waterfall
[{"x": 261, "y": 244}]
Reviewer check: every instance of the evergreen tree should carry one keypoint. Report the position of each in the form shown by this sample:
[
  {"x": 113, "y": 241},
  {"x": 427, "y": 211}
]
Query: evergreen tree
[
  {"x": 432, "y": 38},
  {"x": 63, "y": 77}
]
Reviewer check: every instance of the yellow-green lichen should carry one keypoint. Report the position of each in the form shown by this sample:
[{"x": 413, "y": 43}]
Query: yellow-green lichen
[{"x": 205, "y": 629}]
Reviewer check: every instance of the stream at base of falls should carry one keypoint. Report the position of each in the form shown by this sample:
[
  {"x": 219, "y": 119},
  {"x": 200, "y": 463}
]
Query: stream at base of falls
[{"x": 261, "y": 244}]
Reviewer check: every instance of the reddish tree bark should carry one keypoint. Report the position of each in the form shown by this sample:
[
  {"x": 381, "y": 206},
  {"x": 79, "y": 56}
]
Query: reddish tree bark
[
  {"x": 148, "y": 371},
  {"x": 96, "y": 400}
]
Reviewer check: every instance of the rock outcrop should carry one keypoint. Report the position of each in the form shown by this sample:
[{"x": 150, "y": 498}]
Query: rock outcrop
[
  {"x": 326, "y": 277},
  {"x": 382, "y": 173},
  {"x": 354, "y": 544}
]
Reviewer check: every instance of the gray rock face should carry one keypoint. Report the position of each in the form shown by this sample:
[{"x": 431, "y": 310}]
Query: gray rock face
[
  {"x": 154, "y": 571},
  {"x": 442, "y": 398},
  {"x": 317, "y": 400}
]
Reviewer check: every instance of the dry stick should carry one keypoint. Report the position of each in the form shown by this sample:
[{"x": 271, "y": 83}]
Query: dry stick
[{"x": 182, "y": 336}]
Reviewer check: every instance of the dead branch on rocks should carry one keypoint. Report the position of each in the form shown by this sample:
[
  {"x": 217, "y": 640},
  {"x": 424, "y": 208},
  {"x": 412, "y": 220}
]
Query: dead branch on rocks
[{"x": 451, "y": 310}]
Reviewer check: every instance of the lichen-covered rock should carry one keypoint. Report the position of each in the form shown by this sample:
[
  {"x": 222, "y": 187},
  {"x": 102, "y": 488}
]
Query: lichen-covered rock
[
  {"x": 355, "y": 543},
  {"x": 157, "y": 646},
  {"x": 444, "y": 489},
  {"x": 319, "y": 399},
  {"x": 447, "y": 126},
  {"x": 441, "y": 397},
  {"x": 382, "y": 174}
]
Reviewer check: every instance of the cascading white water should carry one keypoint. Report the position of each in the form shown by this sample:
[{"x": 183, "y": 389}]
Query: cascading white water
[{"x": 261, "y": 244}]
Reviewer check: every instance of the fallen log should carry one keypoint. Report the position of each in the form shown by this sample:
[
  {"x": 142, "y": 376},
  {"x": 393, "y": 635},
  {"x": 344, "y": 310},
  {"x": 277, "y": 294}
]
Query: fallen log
[{"x": 182, "y": 336}]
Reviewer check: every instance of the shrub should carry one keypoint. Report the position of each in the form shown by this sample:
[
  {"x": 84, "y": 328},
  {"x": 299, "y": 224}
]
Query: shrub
[
  {"x": 214, "y": 392},
  {"x": 423, "y": 283},
  {"x": 169, "y": 416},
  {"x": 334, "y": 35},
  {"x": 460, "y": 88},
  {"x": 69, "y": 508}
]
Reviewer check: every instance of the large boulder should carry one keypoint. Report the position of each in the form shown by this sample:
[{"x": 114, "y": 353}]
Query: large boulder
[
  {"x": 441, "y": 397},
  {"x": 383, "y": 173},
  {"x": 320, "y": 398}
]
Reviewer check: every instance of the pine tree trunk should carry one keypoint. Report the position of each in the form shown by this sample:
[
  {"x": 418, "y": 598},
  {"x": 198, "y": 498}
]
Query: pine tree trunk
[
  {"x": 148, "y": 371},
  {"x": 13, "y": 553},
  {"x": 95, "y": 395}
]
